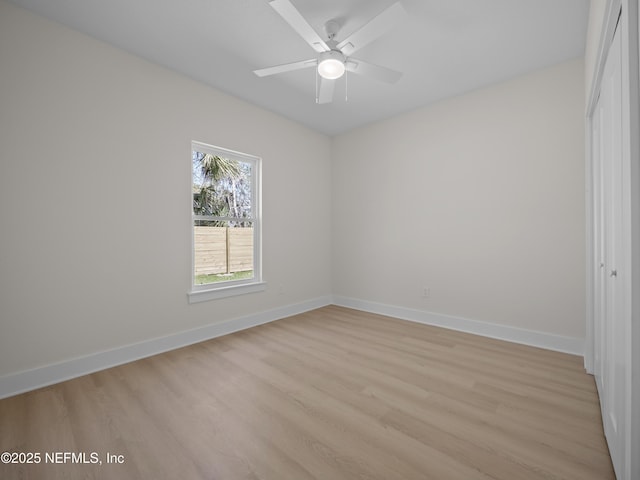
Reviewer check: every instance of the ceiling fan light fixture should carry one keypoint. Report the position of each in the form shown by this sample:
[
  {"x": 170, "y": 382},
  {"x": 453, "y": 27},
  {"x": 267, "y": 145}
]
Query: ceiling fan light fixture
[{"x": 331, "y": 65}]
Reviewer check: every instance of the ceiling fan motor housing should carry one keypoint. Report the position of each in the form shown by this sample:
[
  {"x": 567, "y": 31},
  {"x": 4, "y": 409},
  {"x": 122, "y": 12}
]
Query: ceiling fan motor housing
[{"x": 331, "y": 28}]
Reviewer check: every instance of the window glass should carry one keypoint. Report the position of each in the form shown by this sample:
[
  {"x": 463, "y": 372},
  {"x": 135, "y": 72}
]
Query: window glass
[{"x": 225, "y": 223}]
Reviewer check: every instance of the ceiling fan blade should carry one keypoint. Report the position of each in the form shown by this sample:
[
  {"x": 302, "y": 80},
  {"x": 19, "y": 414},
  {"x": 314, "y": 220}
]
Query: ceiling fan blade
[
  {"x": 287, "y": 67},
  {"x": 325, "y": 95},
  {"x": 377, "y": 27},
  {"x": 292, "y": 16},
  {"x": 367, "y": 69}
]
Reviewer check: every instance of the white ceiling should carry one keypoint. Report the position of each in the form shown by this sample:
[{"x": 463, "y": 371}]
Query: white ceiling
[{"x": 444, "y": 47}]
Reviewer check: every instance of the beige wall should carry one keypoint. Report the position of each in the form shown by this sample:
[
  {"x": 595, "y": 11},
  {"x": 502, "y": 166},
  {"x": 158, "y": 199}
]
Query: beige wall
[
  {"x": 479, "y": 198},
  {"x": 95, "y": 196}
]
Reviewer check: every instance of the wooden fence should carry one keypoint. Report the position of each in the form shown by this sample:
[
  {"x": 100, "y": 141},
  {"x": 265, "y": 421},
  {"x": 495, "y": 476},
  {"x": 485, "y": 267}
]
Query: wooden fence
[{"x": 223, "y": 249}]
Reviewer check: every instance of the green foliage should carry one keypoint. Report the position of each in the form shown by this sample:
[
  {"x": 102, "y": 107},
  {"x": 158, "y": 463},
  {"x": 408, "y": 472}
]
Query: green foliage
[{"x": 221, "y": 188}]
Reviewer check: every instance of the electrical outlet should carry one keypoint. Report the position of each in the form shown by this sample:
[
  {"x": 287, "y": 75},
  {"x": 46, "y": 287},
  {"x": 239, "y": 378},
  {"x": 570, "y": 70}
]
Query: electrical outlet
[
  {"x": 280, "y": 289},
  {"x": 426, "y": 292}
]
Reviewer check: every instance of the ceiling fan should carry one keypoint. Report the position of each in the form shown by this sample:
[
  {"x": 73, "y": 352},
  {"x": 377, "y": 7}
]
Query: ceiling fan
[{"x": 335, "y": 56}]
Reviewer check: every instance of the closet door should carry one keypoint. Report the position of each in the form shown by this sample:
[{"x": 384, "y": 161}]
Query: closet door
[{"x": 609, "y": 332}]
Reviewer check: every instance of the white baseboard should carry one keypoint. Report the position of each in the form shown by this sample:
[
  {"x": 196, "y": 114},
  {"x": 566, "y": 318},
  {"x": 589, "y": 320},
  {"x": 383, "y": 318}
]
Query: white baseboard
[
  {"x": 25, "y": 381},
  {"x": 547, "y": 341}
]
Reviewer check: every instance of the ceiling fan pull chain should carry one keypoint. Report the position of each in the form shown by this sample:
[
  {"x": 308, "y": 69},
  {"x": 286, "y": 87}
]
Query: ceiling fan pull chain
[
  {"x": 317, "y": 92},
  {"x": 346, "y": 85}
]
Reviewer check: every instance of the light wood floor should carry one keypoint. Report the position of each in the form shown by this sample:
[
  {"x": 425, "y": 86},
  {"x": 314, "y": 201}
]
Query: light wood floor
[{"x": 330, "y": 394}]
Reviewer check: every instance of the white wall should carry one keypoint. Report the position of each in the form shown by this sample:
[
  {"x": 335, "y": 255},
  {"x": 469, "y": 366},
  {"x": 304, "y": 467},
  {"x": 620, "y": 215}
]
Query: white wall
[
  {"x": 95, "y": 196},
  {"x": 480, "y": 198}
]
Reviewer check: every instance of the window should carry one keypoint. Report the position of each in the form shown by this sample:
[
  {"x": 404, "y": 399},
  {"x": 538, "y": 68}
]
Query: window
[{"x": 226, "y": 236}]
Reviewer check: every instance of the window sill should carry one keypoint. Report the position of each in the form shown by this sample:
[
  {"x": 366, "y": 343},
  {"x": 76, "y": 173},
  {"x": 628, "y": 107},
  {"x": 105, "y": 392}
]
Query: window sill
[{"x": 197, "y": 296}]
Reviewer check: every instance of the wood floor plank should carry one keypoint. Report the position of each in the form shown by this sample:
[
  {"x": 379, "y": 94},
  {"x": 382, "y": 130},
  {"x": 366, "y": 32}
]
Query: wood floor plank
[{"x": 329, "y": 394}]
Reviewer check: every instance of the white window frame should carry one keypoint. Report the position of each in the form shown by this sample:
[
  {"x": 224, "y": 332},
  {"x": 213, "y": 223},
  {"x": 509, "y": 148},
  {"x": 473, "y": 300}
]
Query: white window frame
[{"x": 212, "y": 291}]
